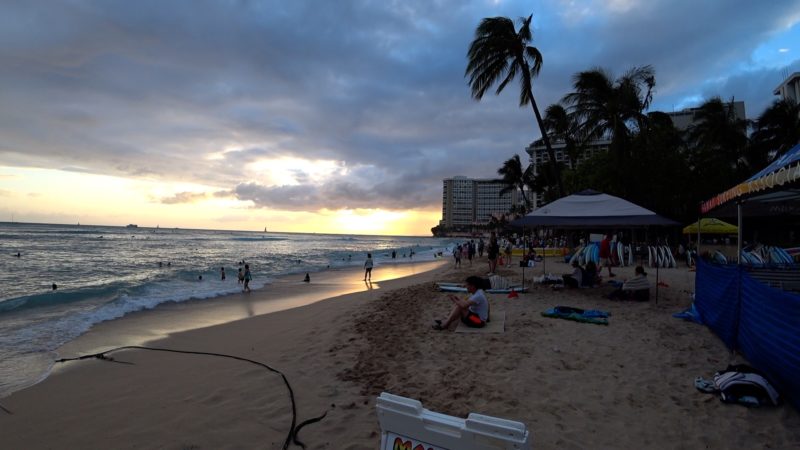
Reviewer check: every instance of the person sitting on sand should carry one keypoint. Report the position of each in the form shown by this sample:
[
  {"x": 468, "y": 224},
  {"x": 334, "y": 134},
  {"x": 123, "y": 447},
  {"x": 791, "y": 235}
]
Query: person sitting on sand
[
  {"x": 473, "y": 312},
  {"x": 307, "y": 279},
  {"x": 637, "y": 288},
  {"x": 574, "y": 279}
]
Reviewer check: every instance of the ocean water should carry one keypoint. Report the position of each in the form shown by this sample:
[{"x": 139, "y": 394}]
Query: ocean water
[{"x": 103, "y": 273}]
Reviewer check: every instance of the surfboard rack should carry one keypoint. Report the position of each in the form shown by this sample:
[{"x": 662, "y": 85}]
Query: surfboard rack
[{"x": 405, "y": 424}]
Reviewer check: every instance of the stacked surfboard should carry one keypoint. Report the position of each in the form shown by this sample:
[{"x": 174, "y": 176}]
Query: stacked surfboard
[{"x": 660, "y": 256}]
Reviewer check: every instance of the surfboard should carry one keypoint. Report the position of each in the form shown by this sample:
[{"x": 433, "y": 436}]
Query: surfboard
[{"x": 450, "y": 288}]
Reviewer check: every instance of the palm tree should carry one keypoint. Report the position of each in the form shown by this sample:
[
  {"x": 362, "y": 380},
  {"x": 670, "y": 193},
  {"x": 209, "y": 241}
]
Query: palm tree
[
  {"x": 717, "y": 130},
  {"x": 613, "y": 109},
  {"x": 717, "y": 143},
  {"x": 563, "y": 128},
  {"x": 777, "y": 129},
  {"x": 500, "y": 52},
  {"x": 515, "y": 177}
]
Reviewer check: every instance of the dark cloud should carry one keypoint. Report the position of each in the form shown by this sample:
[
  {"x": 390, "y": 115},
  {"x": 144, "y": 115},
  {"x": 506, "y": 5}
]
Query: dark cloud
[{"x": 202, "y": 91}]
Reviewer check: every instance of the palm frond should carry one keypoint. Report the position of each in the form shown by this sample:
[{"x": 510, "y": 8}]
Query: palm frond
[{"x": 535, "y": 60}]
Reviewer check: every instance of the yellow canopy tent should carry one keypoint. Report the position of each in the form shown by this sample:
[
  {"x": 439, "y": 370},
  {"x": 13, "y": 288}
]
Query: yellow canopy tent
[{"x": 711, "y": 226}]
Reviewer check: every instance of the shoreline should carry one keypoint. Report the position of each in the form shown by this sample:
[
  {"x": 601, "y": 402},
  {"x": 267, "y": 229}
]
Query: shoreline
[
  {"x": 625, "y": 385},
  {"x": 279, "y": 294}
]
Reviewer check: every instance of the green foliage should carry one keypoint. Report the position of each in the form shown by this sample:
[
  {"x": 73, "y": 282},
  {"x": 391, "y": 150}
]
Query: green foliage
[{"x": 650, "y": 162}]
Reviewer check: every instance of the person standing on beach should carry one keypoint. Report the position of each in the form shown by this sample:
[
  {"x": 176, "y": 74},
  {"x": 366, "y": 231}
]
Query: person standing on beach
[
  {"x": 368, "y": 267},
  {"x": 492, "y": 253},
  {"x": 222, "y": 273},
  {"x": 481, "y": 245},
  {"x": 247, "y": 278},
  {"x": 471, "y": 248},
  {"x": 457, "y": 256},
  {"x": 241, "y": 276},
  {"x": 605, "y": 254}
]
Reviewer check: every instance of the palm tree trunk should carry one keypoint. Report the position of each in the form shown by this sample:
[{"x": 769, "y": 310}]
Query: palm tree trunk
[{"x": 550, "y": 153}]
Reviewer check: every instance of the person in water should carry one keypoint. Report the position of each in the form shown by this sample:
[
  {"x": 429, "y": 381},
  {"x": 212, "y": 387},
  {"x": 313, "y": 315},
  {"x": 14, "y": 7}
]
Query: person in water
[
  {"x": 241, "y": 276},
  {"x": 55, "y": 286},
  {"x": 222, "y": 273},
  {"x": 473, "y": 312},
  {"x": 247, "y": 278},
  {"x": 368, "y": 267}
]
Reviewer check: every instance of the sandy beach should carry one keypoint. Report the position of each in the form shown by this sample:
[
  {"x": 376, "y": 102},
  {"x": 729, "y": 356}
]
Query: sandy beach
[{"x": 626, "y": 385}]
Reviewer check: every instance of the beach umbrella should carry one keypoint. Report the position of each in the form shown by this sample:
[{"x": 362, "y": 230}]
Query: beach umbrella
[{"x": 711, "y": 226}]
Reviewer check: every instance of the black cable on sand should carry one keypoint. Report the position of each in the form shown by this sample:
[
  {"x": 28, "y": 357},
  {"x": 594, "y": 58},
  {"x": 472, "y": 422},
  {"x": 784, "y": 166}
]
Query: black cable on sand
[{"x": 294, "y": 429}]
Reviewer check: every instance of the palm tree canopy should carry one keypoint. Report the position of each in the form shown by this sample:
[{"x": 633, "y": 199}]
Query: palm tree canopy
[
  {"x": 716, "y": 128},
  {"x": 500, "y": 52},
  {"x": 562, "y": 126},
  {"x": 607, "y": 107},
  {"x": 777, "y": 129},
  {"x": 515, "y": 176}
]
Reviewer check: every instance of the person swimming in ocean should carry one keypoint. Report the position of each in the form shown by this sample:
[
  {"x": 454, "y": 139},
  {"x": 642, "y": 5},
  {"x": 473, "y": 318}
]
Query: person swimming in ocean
[
  {"x": 55, "y": 286},
  {"x": 247, "y": 278},
  {"x": 222, "y": 273}
]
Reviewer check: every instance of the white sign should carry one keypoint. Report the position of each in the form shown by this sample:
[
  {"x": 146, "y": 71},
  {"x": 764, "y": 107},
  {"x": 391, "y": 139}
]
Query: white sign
[{"x": 406, "y": 425}]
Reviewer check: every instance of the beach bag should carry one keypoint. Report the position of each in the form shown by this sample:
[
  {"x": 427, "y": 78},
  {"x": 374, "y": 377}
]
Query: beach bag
[{"x": 745, "y": 385}]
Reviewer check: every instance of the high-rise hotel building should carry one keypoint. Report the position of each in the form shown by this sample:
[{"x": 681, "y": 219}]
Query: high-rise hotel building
[{"x": 471, "y": 202}]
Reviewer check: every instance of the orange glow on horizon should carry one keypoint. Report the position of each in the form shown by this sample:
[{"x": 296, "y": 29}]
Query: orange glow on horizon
[{"x": 54, "y": 196}]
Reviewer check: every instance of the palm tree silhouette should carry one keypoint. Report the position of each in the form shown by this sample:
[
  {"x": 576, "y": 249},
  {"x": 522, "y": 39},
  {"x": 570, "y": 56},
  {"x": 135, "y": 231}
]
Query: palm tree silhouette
[
  {"x": 778, "y": 128},
  {"x": 500, "y": 52},
  {"x": 563, "y": 127},
  {"x": 614, "y": 109},
  {"x": 514, "y": 177}
]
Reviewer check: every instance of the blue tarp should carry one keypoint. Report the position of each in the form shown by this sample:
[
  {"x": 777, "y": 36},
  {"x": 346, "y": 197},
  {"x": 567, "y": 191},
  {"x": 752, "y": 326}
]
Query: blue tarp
[{"x": 760, "y": 322}]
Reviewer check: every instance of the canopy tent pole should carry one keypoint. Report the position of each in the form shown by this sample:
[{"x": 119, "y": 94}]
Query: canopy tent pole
[
  {"x": 739, "y": 233},
  {"x": 699, "y": 219},
  {"x": 524, "y": 248},
  {"x": 658, "y": 280},
  {"x": 544, "y": 254}
]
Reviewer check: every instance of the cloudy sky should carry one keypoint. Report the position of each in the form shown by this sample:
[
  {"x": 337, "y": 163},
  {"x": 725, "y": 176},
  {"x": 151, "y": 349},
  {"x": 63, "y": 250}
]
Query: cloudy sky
[{"x": 326, "y": 116}]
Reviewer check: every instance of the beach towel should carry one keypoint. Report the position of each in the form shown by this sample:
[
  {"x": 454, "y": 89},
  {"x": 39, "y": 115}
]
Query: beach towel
[
  {"x": 497, "y": 324},
  {"x": 578, "y": 315}
]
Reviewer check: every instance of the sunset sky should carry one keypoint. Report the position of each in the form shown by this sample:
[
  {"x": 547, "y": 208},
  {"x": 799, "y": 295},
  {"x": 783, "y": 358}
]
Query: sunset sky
[{"x": 322, "y": 116}]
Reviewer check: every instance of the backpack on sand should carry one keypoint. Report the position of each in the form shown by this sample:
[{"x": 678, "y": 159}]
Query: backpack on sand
[{"x": 745, "y": 385}]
